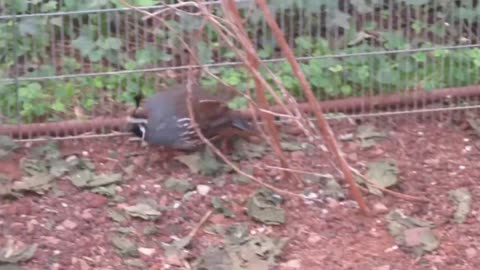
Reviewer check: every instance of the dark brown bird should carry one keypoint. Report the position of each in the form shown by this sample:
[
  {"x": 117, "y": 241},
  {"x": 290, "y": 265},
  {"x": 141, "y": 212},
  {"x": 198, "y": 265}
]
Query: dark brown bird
[{"x": 164, "y": 119}]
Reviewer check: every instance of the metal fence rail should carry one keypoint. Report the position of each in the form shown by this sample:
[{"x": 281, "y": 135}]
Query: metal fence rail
[{"x": 60, "y": 58}]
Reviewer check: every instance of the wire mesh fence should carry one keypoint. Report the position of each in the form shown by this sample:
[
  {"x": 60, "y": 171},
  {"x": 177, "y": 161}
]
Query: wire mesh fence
[{"x": 70, "y": 59}]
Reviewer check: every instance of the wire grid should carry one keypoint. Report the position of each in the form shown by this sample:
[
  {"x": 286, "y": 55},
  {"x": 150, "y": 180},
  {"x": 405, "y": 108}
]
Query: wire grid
[{"x": 75, "y": 59}]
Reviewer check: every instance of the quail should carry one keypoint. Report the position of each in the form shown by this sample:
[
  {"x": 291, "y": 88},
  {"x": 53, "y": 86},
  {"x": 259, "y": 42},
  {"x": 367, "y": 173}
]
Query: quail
[{"x": 164, "y": 119}]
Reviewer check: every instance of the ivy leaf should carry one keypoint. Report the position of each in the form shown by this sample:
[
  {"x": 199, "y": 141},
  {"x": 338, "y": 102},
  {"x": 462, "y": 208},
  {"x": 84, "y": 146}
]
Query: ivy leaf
[
  {"x": 57, "y": 21},
  {"x": 266, "y": 52},
  {"x": 338, "y": 19},
  {"x": 28, "y": 26},
  {"x": 110, "y": 43},
  {"x": 394, "y": 41},
  {"x": 97, "y": 4},
  {"x": 387, "y": 75},
  {"x": 84, "y": 44},
  {"x": 145, "y": 3},
  {"x": 467, "y": 14},
  {"x": 346, "y": 90},
  {"x": 49, "y": 6},
  {"x": 315, "y": 5},
  {"x": 20, "y": 6},
  {"x": 361, "y": 6},
  {"x": 336, "y": 68},
  {"x": 420, "y": 57},
  {"x": 189, "y": 22},
  {"x": 95, "y": 55},
  {"x": 204, "y": 53},
  {"x": 150, "y": 55},
  {"x": 304, "y": 44},
  {"x": 58, "y": 106}
]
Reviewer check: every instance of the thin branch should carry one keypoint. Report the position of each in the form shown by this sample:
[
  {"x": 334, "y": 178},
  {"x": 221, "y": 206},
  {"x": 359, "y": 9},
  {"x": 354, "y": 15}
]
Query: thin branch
[
  {"x": 170, "y": 8},
  {"x": 322, "y": 122},
  {"x": 391, "y": 192}
]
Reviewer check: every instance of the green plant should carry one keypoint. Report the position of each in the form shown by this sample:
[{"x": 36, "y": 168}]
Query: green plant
[{"x": 102, "y": 42}]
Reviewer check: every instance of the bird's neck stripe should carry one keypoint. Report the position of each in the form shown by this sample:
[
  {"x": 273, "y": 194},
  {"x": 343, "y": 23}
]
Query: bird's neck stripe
[{"x": 137, "y": 120}]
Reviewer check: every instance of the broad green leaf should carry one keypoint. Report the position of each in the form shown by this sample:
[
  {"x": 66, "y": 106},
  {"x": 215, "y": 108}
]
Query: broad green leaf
[
  {"x": 361, "y": 6},
  {"x": 84, "y": 44},
  {"x": 49, "y": 6},
  {"x": 145, "y": 3},
  {"x": 338, "y": 19},
  {"x": 19, "y": 6},
  {"x": 204, "y": 53},
  {"x": 28, "y": 26},
  {"x": 189, "y": 22},
  {"x": 346, "y": 90}
]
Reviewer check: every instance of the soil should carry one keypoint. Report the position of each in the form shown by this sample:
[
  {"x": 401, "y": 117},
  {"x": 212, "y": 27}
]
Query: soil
[{"x": 72, "y": 226}]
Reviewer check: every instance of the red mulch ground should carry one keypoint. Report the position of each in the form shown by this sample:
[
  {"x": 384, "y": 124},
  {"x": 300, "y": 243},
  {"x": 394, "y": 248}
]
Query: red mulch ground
[{"x": 433, "y": 157}]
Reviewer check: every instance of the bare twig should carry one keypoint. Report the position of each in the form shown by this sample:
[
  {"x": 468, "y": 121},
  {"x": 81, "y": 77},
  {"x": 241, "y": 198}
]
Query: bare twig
[
  {"x": 252, "y": 60},
  {"x": 197, "y": 227},
  {"x": 322, "y": 122},
  {"x": 173, "y": 7},
  {"x": 391, "y": 192},
  {"x": 325, "y": 175}
]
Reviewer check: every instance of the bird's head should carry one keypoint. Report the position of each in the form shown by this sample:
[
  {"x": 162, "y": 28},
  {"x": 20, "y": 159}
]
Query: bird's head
[{"x": 137, "y": 120}]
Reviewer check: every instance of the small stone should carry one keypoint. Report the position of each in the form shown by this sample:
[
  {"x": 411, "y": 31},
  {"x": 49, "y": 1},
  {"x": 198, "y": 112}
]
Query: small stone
[
  {"x": 314, "y": 239},
  {"x": 293, "y": 130},
  {"x": 203, "y": 189},
  {"x": 176, "y": 204},
  {"x": 146, "y": 251},
  {"x": 471, "y": 253},
  {"x": 373, "y": 232},
  {"x": 82, "y": 264},
  {"x": 94, "y": 200},
  {"x": 31, "y": 225},
  {"x": 71, "y": 159},
  {"x": 139, "y": 161},
  {"x": 332, "y": 203},
  {"x": 17, "y": 228},
  {"x": 350, "y": 204},
  {"x": 380, "y": 208},
  {"x": 67, "y": 224},
  {"x": 352, "y": 156},
  {"x": 297, "y": 155},
  {"x": 87, "y": 215},
  {"x": 217, "y": 219},
  {"x": 311, "y": 196},
  {"x": 293, "y": 264},
  {"x": 390, "y": 249},
  {"x": 383, "y": 267}
]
